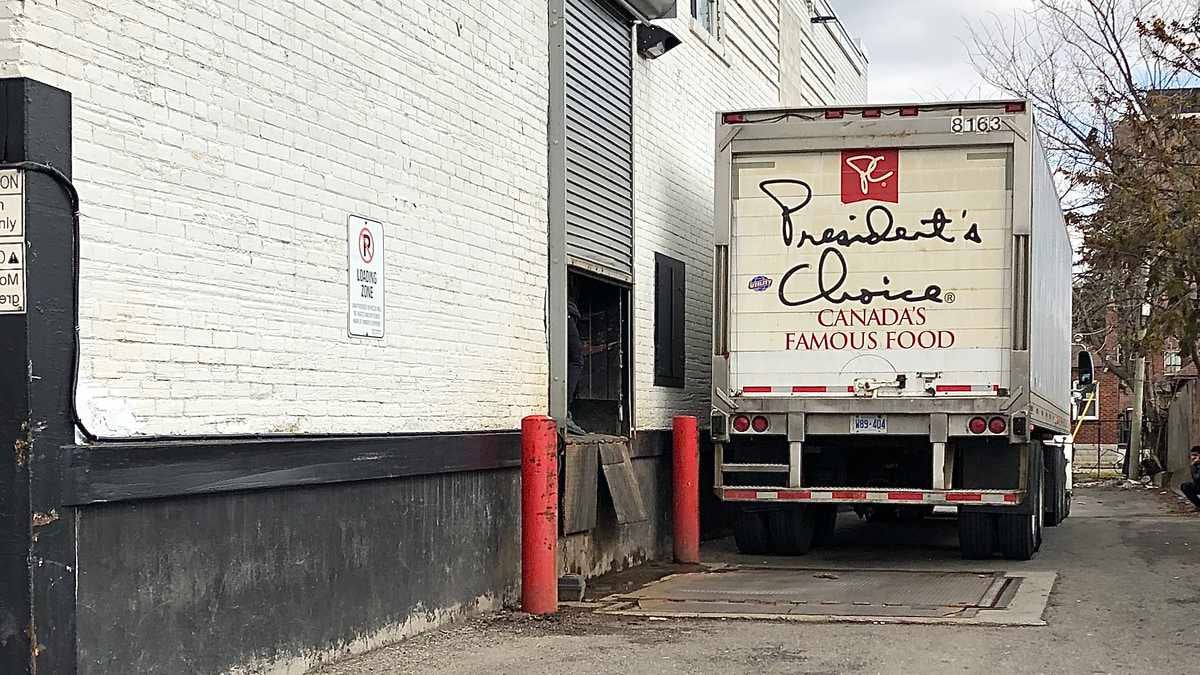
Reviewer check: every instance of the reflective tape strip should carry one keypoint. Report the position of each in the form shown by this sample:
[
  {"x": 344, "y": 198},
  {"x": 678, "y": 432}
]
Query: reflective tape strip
[
  {"x": 799, "y": 389},
  {"x": 741, "y": 494},
  {"x": 964, "y": 497},
  {"x": 795, "y": 494},
  {"x": 838, "y": 388},
  {"x": 861, "y": 496},
  {"x": 963, "y": 388},
  {"x": 845, "y": 495}
]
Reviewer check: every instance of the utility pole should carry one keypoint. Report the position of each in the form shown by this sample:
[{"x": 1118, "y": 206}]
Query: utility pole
[
  {"x": 1133, "y": 465},
  {"x": 1139, "y": 377},
  {"x": 1135, "y": 419}
]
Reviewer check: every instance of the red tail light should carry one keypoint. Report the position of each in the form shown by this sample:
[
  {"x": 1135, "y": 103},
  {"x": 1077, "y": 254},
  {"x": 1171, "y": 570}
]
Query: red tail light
[
  {"x": 761, "y": 424},
  {"x": 872, "y": 112},
  {"x": 741, "y": 423},
  {"x": 909, "y": 111},
  {"x": 1014, "y": 107},
  {"x": 997, "y": 425},
  {"x": 977, "y": 425},
  {"x": 834, "y": 114},
  {"x": 734, "y": 118}
]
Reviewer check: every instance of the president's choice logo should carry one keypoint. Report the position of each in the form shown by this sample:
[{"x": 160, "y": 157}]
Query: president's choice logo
[{"x": 870, "y": 175}]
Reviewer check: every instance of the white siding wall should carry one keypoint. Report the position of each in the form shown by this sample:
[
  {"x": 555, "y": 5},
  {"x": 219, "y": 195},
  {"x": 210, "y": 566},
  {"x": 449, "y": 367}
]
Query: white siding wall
[
  {"x": 750, "y": 30},
  {"x": 676, "y": 99},
  {"x": 818, "y": 63},
  {"x": 219, "y": 147}
]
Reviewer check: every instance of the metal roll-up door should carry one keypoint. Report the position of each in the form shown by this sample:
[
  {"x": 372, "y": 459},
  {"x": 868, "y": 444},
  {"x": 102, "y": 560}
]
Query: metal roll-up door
[{"x": 599, "y": 138}]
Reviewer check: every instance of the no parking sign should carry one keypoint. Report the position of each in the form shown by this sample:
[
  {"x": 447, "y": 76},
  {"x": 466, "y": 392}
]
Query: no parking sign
[{"x": 365, "y": 316}]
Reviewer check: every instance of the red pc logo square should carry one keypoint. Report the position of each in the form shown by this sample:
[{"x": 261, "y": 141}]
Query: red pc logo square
[{"x": 870, "y": 175}]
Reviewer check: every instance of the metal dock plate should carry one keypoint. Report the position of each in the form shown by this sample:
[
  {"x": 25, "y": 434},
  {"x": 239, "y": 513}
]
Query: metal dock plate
[{"x": 833, "y": 595}]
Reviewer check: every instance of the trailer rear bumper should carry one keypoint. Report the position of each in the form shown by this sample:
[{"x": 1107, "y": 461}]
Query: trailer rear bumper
[{"x": 891, "y": 496}]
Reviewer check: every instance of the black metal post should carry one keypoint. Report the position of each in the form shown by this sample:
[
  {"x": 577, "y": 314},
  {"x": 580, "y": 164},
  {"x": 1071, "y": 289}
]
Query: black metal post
[{"x": 37, "y": 534}]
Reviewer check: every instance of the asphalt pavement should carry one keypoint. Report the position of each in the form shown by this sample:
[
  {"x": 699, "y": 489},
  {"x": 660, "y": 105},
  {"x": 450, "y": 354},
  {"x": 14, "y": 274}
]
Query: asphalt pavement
[{"x": 1126, "y": 600}]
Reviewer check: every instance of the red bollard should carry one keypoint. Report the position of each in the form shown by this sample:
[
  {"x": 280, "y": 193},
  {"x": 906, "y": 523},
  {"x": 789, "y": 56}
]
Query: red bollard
[
  {"x": 686, "y": 462},
  {"x": 539, "y": 515}
]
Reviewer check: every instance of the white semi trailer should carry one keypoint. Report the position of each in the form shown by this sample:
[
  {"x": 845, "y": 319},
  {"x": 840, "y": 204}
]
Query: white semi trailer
[{"x": 892, "y": 323}]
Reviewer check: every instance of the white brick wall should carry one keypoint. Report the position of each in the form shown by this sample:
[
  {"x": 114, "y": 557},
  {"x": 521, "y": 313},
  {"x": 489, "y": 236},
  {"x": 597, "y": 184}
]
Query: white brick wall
[
  {"x": 219, "y": 147},
  {"x": 676, "y": 98}
]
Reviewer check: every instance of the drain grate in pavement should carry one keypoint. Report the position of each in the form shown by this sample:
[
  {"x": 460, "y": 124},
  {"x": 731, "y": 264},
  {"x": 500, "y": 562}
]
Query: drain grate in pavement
[{"x": 822, "y": 594}]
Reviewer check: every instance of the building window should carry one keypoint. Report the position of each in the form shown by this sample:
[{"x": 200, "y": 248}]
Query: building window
[
  {"x": 707, "y": 15},
  {"x": 669, "y": 283},
  {"x": 1085, "y": 409},
  {"x": 1172, "y": 362}
]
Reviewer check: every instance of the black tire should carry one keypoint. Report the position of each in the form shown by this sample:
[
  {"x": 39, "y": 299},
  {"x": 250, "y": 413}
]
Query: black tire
[
  {"x": 1041, "y": 503},
  {"x": 976, "y": 534},
  {"x": 1041, "y": 522},
  {"x": 825, "y": 525},
  {"x": 791, "y": 530},
  {"x": 750, "y": 532}
]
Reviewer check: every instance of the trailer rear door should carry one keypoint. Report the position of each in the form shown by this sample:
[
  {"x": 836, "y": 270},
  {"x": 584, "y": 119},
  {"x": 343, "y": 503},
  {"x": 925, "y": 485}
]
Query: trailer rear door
[{"x": 871, "y": 267}]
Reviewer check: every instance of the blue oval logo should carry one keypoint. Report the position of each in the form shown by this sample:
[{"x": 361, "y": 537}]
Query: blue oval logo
[{"x": 760, "y": 283}]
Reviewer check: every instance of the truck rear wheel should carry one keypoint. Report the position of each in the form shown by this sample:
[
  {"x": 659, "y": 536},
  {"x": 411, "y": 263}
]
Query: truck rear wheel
[
  {"x": 750, "y": 532},
  {"x": 791, "y": 530},
  {"x": 976, "y": 534},
  {"x": 825, "y": 525}
]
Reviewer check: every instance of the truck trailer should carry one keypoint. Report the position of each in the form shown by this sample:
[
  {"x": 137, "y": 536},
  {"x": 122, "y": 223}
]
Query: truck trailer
[{"x": 892, "y": 323}]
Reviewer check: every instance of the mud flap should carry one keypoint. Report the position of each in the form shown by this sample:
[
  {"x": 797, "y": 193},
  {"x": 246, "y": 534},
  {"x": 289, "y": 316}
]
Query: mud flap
[{"x": 1054, "y": 484}]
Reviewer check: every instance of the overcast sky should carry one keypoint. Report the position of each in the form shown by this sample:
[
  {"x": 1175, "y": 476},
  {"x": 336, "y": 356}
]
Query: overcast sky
[{"x": 916, "y": 50}]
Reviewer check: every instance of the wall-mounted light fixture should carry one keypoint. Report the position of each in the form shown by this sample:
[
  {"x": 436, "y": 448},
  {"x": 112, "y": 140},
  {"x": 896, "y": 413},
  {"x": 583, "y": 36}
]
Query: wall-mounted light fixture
[{"x": 654, "y": 41}]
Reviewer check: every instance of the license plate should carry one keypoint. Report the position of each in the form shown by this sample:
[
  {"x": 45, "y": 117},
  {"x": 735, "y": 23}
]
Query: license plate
[{"x": 868, "y": 424}]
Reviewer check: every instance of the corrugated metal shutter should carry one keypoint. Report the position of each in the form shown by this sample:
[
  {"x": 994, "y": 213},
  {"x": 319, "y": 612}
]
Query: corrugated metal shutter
[{"x": 599, "y": 138}]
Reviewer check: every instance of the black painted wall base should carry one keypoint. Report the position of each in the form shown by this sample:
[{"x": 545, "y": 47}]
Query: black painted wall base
[
  {"x": 212, "y": 578},
  {"x": 290, "y": 576}
]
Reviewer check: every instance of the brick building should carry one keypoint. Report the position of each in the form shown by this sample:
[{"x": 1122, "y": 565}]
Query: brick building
[
  {"x": 1103, "y": 431},
  {"x": 261, "y": 489}
]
